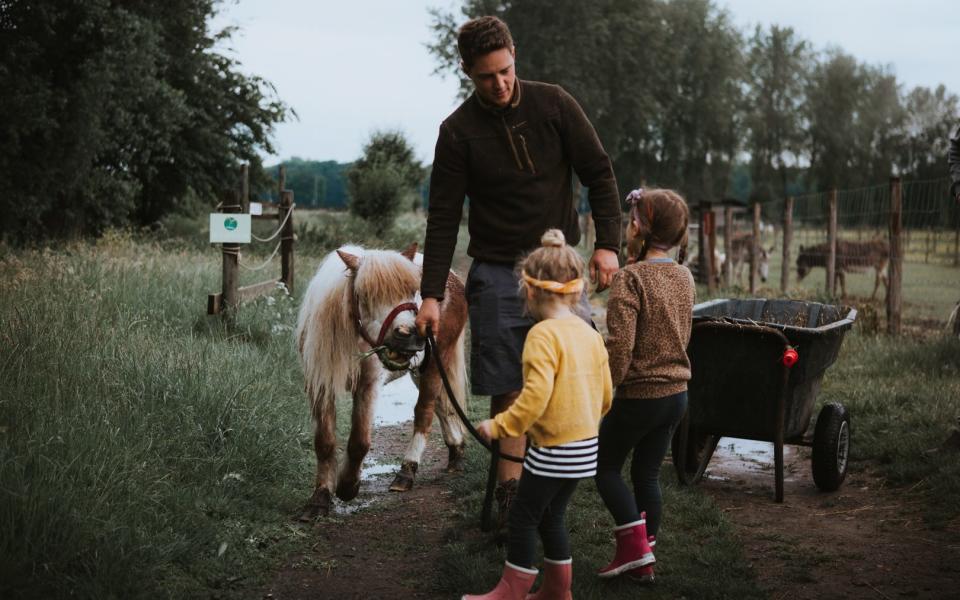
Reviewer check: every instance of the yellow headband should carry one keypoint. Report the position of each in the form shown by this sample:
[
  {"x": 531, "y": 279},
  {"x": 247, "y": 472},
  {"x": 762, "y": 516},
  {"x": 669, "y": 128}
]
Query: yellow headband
[{"x": 574, "y": 286}]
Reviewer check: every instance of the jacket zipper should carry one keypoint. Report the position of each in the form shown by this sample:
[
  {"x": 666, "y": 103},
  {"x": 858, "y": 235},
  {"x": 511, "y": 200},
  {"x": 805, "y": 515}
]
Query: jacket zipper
[
  {"x": 526, "y": 153},
  {"x": 513, "y": 147}
]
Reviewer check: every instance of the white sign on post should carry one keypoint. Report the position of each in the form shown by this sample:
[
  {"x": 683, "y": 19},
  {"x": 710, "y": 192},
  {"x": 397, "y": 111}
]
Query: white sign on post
[
  {"x": 256, "y": 208},
  {"x": 229, "y": 228}
]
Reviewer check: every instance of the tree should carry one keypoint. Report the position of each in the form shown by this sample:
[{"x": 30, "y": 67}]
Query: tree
[
  {"x": 116, "y": 112},
  {"x": 306, "y": 180},
  {"x": 700, "y": 100},
  {"x": 833, "y": 97},
  {"x": 777, "y": 69},
  {"x": 930, "y": 117},
  {"x": 384, "y": 180}
]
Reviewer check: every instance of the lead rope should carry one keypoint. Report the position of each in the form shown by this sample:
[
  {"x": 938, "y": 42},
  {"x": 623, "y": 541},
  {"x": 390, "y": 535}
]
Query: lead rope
[{"x": 432, "y": 348}]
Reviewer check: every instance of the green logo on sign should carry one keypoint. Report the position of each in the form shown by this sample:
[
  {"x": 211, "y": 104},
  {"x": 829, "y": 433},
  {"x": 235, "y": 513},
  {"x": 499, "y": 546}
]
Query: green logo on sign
[{"x": 230, "y": 223}]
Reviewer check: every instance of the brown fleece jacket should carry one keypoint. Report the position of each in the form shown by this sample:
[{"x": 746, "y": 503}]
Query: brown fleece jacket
[
  {"x": 649, "y": 316},
  {"x": 515, "y": 165}
]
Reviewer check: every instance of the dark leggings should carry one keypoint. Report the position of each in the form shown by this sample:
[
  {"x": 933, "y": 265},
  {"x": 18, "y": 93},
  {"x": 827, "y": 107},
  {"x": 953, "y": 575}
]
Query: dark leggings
[
  {"x": 539, "y": 506},
  {"x": 645, "y": 427}
]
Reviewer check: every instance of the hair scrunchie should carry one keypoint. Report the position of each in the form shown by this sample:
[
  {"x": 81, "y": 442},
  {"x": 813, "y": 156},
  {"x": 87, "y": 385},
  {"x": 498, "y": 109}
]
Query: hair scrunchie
[{"x": 634, "y": 196}]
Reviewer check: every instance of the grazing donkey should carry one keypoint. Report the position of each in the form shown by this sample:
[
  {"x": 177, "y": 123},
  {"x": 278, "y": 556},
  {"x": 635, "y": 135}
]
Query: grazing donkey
[
  {"x": 851, "y": 257},
  {"x": 740, "y": 255},
  {"x": 356, "y": 332}
]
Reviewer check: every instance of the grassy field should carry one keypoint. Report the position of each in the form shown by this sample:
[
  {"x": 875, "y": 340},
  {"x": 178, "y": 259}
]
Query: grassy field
[{"x": 148, "y": 451}]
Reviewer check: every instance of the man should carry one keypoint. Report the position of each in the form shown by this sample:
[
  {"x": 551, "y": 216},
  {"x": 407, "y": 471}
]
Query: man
[
  {"x": 511, "y": 147},
  {"x": 953, "y": 160}
]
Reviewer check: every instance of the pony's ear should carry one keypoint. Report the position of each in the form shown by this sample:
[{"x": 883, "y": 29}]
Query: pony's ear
[
  {"x": 410, "y": 252},
  {"x": 352, "y": 262},
  {"x": 801, "y": 247}
]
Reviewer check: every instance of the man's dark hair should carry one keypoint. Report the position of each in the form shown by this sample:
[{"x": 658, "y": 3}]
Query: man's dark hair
[{"x": 480, "y": 36}]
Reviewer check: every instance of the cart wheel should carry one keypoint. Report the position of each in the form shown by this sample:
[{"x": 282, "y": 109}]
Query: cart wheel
[
  {"x": 700, "y": 449},
  {"x": 831, "y": 447},
  {"x": 696, "y": 442}
]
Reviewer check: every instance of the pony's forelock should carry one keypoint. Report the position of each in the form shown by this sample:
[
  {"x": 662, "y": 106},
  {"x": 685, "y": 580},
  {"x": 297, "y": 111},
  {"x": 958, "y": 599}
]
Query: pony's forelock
[{"x": 386, "y": 278}]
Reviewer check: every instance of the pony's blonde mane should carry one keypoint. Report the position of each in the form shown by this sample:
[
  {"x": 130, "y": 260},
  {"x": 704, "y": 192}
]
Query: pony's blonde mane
[{"x": 326, "y": 332}]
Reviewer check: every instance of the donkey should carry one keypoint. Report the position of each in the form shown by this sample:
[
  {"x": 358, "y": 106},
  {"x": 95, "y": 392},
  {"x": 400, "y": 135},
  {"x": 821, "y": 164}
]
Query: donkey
[
  {"x": 740, "y": 246},
  {"x": 355, "y": 332},
  {"x": 851, "y": 256}
]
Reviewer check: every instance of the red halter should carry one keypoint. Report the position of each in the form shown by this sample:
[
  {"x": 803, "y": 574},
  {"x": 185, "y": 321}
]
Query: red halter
[{"x": 386, "y": 322}]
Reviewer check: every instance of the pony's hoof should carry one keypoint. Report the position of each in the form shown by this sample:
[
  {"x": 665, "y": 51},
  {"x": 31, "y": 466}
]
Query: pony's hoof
[
  {"x": 403, "y": 482},
  {"x": 348, "y": 490},
  {"x": 317, "y": 506},
  {"x": 455, "y": 458}
]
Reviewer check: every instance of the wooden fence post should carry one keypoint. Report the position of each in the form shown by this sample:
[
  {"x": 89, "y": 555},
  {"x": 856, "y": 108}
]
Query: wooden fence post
[
  {"x": 832, "y": 243},
  {"x": 711, "y": 232},
  {"x": 755, "y": 249},
  {"x": 728, "y": 246},
  {"x": 701, "y": 243},
  {"x": 230, "y": 297},
  {"x": 787, "y": 240},
  {"x": 895, "y": 268},
  {"x": 286, "y": 239},
  {"x": 956, "y": 245}
]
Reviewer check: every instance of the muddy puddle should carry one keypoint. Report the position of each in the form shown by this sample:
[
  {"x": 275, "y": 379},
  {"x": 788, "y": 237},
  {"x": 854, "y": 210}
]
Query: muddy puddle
[
  {"x": 738, "y": 460},
  {"x": 393, "y": 413}
]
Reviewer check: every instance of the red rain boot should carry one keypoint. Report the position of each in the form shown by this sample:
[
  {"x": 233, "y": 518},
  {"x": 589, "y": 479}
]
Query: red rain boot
[
  {"x": 633, "y": 550},
  {"x": 513, "y": 585},
  {"x": 557, "y": 579},
  {"x": 644, "y": 574}
]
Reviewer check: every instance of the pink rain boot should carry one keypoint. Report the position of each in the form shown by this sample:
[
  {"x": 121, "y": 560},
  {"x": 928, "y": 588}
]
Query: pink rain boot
[
  {"x": 644, "y": 574},
  {"x": 513, "y": 585},
  {"x": 557, "y": 579},
  {"x": 633, "y": 550}
]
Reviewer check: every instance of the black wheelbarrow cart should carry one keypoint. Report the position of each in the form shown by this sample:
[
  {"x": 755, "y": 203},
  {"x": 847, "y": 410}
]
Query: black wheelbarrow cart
[{"x": 757, "y": 367}]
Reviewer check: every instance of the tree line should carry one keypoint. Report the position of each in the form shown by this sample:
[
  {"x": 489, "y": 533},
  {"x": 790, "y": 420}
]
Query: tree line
[
  {"x": 114, "y": 113},
  {"x": 682, "y": 98}
]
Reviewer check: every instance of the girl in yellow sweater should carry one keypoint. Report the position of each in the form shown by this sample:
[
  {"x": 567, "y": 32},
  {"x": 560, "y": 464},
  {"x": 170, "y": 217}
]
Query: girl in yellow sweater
[{"x": 566, "y": 390}]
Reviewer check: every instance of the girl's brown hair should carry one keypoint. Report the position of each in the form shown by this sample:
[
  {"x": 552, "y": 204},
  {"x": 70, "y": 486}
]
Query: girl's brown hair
[
  {"x": 659, "y": 218},
  {"x": 553, "y": 261}
]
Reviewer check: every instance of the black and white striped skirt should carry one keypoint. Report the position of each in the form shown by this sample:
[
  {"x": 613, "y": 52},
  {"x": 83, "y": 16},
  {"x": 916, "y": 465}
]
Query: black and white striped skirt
[{"x": 575, "y": 460}]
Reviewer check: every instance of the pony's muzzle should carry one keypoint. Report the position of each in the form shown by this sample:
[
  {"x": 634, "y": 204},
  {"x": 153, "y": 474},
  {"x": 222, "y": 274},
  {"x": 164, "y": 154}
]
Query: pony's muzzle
[{"x": 406, "y": 340}]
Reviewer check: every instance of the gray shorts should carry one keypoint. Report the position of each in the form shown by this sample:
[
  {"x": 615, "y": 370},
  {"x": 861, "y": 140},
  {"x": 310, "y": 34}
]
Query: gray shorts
[{"x": 498, "y": 328}]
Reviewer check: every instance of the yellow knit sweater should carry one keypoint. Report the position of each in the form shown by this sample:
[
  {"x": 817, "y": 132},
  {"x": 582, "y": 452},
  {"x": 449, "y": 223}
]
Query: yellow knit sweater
[{"x": 566, "y": 385}]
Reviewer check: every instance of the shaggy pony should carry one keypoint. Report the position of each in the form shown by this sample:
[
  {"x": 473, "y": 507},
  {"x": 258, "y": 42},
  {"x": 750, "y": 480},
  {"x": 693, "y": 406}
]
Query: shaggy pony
[{"x": 358, "y": 288}]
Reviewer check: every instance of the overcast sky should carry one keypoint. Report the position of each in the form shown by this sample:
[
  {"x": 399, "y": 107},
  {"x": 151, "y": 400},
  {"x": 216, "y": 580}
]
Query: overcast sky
[{"x": 348, "y": 68}]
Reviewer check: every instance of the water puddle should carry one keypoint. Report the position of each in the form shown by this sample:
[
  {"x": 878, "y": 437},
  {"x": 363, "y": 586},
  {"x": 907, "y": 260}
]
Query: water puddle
[
  {"x": 349, "y": 508},
  {"x": 395, "y": 402},
  {"x": 735, "y": 458},
  {"x": 371, "y": 470}
]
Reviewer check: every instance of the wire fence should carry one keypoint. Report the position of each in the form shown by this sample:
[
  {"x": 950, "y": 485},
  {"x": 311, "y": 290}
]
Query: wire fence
[{"x": 859, "y": 250}]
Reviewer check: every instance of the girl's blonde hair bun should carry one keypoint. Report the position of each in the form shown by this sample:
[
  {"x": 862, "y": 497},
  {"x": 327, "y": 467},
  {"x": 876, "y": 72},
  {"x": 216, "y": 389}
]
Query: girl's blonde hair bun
[{"x": 553, "y": 238}]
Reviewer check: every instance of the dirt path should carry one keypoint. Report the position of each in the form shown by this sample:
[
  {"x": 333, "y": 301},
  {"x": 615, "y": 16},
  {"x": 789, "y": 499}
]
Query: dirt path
[
  {"x": 862, "y": 541},
  {"x": 382, "y": 544}
]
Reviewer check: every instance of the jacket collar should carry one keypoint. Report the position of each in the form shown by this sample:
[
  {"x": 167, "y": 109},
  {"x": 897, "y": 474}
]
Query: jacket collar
[{"x": 514, "y": 101}]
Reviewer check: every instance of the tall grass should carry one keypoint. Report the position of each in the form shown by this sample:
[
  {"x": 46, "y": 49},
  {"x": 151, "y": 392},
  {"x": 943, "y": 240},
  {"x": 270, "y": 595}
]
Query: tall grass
[
  {"x": 903, "y": 395},
  {"x": 145, "y": 451}
]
